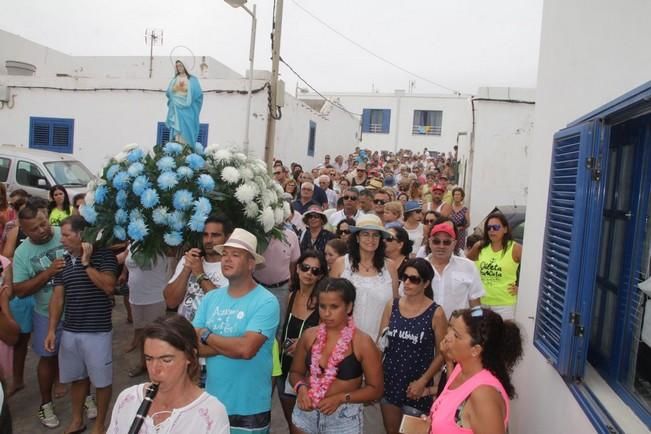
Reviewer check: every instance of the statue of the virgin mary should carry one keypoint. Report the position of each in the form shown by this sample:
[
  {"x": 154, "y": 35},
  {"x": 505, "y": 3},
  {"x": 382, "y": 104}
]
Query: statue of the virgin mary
[{"x": 184, "y": 100}]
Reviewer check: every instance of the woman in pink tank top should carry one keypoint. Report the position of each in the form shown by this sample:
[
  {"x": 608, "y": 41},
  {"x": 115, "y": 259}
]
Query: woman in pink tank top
[{"x": 476, "y": 396}]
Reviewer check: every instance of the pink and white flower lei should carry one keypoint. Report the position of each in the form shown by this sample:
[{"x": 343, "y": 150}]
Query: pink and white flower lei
[{"x": 320, "y": 383}]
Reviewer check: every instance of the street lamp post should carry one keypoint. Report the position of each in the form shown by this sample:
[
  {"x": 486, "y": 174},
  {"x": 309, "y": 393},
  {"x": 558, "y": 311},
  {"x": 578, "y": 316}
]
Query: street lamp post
[{"x": 254, "y": 22}]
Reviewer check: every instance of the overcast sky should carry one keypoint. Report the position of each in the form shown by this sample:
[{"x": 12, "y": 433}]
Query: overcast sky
[{"x": 461, "y": 44}]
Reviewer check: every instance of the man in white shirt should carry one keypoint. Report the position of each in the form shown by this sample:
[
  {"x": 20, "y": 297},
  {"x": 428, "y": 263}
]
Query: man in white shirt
[
  {"x": 350, "y": 197},
  {"x": 324, "y": 183},
  {"x": 199, "y": 271},
  {"x": 456, "y": 283}
]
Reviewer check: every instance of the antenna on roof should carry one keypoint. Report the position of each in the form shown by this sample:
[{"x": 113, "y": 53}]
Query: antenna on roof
[{"x": 153, "y": 37}]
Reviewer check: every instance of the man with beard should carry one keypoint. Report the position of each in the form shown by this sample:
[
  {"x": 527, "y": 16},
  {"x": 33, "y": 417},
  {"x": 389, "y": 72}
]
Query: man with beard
[
  {"x": 456, "y": 283},
  {"x": 199, "y": 270},
  {"x": 236, "y": 326}
]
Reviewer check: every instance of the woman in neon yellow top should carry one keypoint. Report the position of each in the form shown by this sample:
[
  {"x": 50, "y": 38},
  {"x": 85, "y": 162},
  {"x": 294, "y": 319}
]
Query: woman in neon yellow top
[
  {"x": 59, "y": 207},
  {"x": 497, "y": 257}
]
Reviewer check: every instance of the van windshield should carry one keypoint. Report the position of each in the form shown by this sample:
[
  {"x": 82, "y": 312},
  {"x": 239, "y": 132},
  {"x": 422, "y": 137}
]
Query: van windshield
[{"x": 69, "y": 173}]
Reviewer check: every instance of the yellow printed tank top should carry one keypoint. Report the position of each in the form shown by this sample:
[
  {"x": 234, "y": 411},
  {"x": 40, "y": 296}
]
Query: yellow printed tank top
[{"x": 497, "y": 271}]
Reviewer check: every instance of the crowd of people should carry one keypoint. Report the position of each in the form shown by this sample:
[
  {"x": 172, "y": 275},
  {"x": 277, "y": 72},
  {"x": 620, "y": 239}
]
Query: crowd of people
[{"x": 376, "y": 306}]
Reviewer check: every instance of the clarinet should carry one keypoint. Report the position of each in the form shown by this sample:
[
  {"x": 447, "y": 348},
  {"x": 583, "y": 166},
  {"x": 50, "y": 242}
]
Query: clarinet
[{"x": 141, "y": 414}]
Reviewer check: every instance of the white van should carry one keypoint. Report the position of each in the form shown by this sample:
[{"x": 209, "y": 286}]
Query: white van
[{"x": 35, "y": 171}]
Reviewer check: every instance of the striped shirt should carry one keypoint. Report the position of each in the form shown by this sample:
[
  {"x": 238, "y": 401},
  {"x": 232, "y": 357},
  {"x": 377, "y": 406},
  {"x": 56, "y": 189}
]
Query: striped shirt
[{"x": 87, "y": 308}]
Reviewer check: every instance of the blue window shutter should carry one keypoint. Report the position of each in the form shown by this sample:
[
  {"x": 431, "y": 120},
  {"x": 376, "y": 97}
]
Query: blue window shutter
[
  {"x": 366, "y": 120},
  {"x": 51, "y": 134},
  {"x": 563, "y": 248},
  {"x": 386, "y": 121},
  {"x": 311, "y": 140},
  {"x": 162, "y": 133},
  {"x": 203, "y": 134}
]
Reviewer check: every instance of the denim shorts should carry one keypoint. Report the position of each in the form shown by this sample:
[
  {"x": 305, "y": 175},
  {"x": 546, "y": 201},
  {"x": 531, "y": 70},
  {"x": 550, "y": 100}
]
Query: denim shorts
[{"x": 347, "y": 419}]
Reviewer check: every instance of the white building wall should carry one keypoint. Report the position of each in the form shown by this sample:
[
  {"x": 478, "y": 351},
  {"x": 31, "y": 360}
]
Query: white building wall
[
  {"x": 503, "y": 136},
  {"x": 592, "y": 51},
  {"x": 456, "y": 119}
]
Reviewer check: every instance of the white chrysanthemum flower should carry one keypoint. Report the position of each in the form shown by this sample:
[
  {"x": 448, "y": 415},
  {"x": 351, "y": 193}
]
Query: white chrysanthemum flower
[
  {"x": 230, "y": 175},
  {"x": 251, "y": 210},
  {"x": 92, "y": 184},
  {"x": 247, "y": 174},
  {"x": 267, "y": 219},
  {"x": 286, "y": 209},
  {"x": 130, "y": 147},
  {"x": 89, "y": 199},
  {"x": 268, "y": 197},
  {"x": 239, "y": 156},
  {"x": 211, "y": 149},
  {"x": 255, "y": 187},
  {"x": 279, "y": 189},
  {"x": 245, "y": 193},
  {"x": 223, "y": 155},
  {"x": 279, "y": 215},
  {"x": 120, "y": 157},
  {"x": 101, "y": 181}
]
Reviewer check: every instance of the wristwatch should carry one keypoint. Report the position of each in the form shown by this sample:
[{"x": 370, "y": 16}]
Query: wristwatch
[
  {"x": 200, "y": 278},
  {"x": 347, "y": 397},
  {"x": 204, "y": 336}
]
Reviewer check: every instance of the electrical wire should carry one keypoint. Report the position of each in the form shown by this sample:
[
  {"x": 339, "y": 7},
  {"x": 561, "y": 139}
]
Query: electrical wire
[
  {"x": 334, "y": 103},
  {"x": 377, "y": 56}
]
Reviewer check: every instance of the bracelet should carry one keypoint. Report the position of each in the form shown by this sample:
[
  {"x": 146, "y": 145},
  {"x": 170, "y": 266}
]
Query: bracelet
[{"x": 298, "y": 385}]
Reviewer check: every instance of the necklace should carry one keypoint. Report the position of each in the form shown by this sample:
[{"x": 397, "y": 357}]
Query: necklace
[
  {"x": 366, "y": 268},
  {"x": 320, "y": 382}
]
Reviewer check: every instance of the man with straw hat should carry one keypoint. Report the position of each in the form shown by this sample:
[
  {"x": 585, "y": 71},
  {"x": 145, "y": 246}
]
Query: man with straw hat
[{"x": 236, "y": 326}]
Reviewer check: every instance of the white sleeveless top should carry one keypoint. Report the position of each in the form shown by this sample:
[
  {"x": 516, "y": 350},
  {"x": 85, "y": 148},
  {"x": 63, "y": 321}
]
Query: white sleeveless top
[{"x": 372, "y": 295}]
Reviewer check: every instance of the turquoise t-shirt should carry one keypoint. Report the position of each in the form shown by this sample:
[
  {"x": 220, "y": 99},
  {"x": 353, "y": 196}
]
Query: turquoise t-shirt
[
  {"x": 243, "y": 386},
  {"x": 30, "y": 259}
]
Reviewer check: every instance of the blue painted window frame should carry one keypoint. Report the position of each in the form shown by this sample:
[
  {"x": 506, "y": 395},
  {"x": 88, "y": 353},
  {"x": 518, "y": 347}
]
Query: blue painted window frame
[
  {"x": 385, "y": 124},
  {"x": 567, "y": 348},
  {"x": 43, "y": 134},
  {"x": 311, "y": 139},
  {"x": 163, "y": 134}
]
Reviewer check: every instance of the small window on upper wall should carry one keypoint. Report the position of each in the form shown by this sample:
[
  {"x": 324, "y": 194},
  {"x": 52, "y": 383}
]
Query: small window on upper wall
[
  {"x": 376, "y": 121},
  {"x": 51, "y": 134},
  {"x": 427, "y": 122},
  {"x": 163, "y": 134},
  {"x": 311, "y": 140}
]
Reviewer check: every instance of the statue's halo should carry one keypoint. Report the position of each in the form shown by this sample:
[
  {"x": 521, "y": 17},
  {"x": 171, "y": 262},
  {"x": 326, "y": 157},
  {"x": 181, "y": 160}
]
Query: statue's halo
[{"x": 173, "y": 58}]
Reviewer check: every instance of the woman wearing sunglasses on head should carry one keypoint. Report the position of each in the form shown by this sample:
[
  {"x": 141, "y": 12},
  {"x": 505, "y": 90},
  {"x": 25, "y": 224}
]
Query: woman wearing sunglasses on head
[
  {"x": 302, "y": 313},
  {"x": 476, "y": 396},
  {"x": 497, "y": 257},
  {"x": 412, "y": 327}
]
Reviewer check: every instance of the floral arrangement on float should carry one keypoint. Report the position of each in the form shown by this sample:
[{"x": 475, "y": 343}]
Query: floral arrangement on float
[{"x": 160, "y": 200}]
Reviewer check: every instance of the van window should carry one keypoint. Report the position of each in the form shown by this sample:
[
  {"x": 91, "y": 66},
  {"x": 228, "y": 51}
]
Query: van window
[
  {"x": 5, "y": 163},
  {"x": 69, "y": 173},
  {"x": 28, "y": 174}
]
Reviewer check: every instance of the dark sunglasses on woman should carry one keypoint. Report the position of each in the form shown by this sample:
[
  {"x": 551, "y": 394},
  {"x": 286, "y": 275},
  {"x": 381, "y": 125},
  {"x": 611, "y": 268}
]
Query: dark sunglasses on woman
[
  {"x": 416, "y": 280},
  {"x": 316, "y": 271}
]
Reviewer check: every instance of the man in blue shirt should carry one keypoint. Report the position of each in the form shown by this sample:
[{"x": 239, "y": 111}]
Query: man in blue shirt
[{"x": 236, "y": 325}]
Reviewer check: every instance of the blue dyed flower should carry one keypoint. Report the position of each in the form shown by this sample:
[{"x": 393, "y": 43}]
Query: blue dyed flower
[
  {"x": 172, "y": 148},
  {"x": 197, "y": 222},
  {"x": 182, "y": 199},
  {"x": 135, "y": 169},
  {"x": 149, "y": 198},
  {"x": 137, "y": 230},
  {"x": 185, "y": 172},
  {"x": 121, "y": 217},
  {"x": 136, "y": 214},
  {"x": 135, "y": 155},
  {"x": 88, "y": 213},
  {"x": 198, "y": 148},
  {"x": 159, "y": 215},
  {"x": 202, "y": 206},
  {"x": 140, "y": 184},
  {"x": 173, "y": 238},
  {"x": 119, "y": 233},
  {"x": 175, "y": 220},
  {"x": 205, "y": 182},
  {"x": 166, "y": 164},
  {"x": 100, "y": 194},
  {"x": 167, "y": 180},
  {"x": 121, "y": 199},
  {"x": 110, "y": 173},
  {"x": 121, "y": 180},
  {"x": 196, "y": 162}
]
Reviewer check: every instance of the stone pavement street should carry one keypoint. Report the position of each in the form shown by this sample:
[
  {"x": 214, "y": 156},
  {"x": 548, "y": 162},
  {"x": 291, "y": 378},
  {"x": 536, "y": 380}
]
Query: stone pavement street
[{"x": 24, "y": 405}]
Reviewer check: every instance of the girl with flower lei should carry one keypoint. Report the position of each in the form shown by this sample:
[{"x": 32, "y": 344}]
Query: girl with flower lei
[{"x": 329, "y": 363}]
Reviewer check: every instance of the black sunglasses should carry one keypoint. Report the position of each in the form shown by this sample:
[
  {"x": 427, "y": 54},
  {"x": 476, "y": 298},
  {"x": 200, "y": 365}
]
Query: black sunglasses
[
  {"x": 379, "y": 202},
  {"x": 277, "y": 173},
  {"x": 316, "y": 271},
  {"x": 390, "y": 238},
  {"x": 438, "y": 241},
  {"x": 493, "y": 227},
  {"x": 350, "y": 197},
  {"x": 343, "y": 232},
  {"x": 430, "y": 221},
  {"x": 416, "y": 280}
]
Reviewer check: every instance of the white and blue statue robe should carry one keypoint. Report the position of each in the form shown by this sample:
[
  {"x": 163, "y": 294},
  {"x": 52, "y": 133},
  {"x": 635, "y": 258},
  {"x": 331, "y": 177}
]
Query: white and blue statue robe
[{"x": 183, "y": 111}]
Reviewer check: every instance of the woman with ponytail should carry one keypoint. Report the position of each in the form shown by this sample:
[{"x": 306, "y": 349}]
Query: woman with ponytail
[
  {"x": 172, "y": 402},
  {"x": 476, "y": 397}
]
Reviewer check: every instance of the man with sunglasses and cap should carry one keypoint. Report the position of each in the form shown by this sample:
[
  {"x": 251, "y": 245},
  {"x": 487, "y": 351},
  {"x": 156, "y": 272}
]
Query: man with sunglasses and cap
[
  {"x": 456, "y": 283},
  {"x": 236, "y": 326}
]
